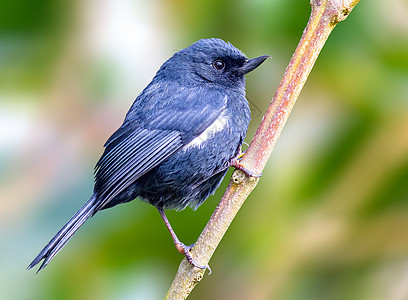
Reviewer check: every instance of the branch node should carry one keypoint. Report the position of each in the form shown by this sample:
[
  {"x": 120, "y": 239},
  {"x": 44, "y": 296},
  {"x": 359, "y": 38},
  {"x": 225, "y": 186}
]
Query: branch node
[{"x": 238, "y": 176}]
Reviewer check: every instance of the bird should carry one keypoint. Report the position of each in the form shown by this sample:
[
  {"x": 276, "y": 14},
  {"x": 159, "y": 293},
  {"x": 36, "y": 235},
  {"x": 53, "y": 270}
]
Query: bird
[{"x": 177, "y": 141}]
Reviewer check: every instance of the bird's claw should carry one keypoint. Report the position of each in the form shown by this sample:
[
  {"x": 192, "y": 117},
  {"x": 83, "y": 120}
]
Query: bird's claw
[
  {"x": 186, "y": 251},
  {"x": 236, "y": 163}
]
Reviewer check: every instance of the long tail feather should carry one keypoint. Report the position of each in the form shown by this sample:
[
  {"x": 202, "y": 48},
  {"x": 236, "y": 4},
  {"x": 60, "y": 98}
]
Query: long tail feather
[{"x": 63, "y": 236}]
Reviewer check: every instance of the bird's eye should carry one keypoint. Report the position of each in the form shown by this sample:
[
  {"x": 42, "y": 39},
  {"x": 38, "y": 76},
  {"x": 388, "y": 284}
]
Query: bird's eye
[{"x": 219, "y": 64}]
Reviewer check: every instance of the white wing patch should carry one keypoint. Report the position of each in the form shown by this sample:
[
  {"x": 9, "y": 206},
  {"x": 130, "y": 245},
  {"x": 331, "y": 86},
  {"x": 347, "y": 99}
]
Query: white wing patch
[{"x": 218, "y": 125}]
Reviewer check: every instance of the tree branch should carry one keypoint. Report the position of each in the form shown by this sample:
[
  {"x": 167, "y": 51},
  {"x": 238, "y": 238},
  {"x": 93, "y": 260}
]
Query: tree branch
[{"x": 324, "y": 17}]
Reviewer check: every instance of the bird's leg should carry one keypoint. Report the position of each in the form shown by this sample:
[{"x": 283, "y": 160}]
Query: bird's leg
[
  {"x": 183, "y": 249},
  {"x": 236, "y": 163}
]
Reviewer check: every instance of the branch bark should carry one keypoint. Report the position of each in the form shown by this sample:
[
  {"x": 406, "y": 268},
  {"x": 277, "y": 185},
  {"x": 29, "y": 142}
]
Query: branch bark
[{"x": 324, "y": 16}]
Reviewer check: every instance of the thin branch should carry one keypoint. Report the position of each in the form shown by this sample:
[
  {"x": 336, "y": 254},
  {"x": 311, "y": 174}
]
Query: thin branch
[{"x": 324, "y": 17}]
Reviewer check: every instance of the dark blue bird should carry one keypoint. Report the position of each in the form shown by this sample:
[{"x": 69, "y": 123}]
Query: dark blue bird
[{"x": 177, "y": 141}]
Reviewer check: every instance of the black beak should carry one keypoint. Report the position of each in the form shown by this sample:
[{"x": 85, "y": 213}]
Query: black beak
[{"x": 253, "y": 63}]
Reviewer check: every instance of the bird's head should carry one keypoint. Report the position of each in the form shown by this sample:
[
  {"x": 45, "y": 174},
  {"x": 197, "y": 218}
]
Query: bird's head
[{"x": 211, "y": 61}]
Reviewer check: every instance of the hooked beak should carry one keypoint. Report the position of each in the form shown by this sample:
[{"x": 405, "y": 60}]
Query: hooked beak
[{"x": 253, "y": 63}]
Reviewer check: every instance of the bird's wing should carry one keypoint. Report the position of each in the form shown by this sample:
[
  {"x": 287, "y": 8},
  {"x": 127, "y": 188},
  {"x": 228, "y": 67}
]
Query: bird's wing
[
  {"x": 133, "y": 157},
  {"x": 135, "y": 148}
]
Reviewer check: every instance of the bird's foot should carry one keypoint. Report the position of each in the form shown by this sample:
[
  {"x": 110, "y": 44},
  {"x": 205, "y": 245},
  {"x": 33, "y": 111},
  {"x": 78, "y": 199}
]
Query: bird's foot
[
  {"x": 236, "y": 163},
  {"x": 183, "y": 249},
  {"x": 186, "y": 251}
]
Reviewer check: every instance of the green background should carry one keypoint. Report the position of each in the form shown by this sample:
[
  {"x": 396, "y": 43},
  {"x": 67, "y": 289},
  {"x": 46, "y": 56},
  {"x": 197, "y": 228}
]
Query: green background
[{"x": 329, "y": 217}]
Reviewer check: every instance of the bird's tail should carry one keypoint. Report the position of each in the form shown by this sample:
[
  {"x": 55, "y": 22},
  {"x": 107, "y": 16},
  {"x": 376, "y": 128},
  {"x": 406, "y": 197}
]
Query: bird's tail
[{"x": 63, "y": 236}]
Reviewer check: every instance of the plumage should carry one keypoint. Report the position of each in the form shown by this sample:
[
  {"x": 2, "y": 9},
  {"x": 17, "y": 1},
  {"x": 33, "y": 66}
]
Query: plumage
[{"x": 177, "y": 140}]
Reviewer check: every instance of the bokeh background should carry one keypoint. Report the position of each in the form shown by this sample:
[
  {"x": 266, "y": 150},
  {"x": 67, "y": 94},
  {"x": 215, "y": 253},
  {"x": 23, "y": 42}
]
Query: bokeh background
[{"x": 329, "y": 218}]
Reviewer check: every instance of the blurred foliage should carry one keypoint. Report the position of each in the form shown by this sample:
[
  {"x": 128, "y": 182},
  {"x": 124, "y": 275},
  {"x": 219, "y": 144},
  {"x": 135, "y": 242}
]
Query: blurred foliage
[{"x": 328, "y": 218}]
